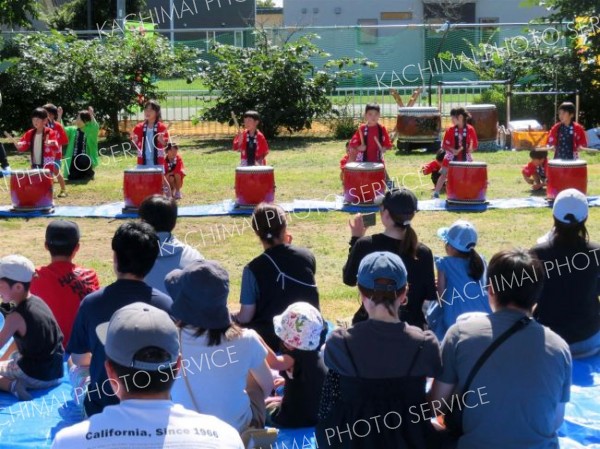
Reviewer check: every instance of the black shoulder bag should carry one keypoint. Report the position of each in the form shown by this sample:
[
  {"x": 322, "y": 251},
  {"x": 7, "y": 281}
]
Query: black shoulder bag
[{"x": 453, "y": 420}]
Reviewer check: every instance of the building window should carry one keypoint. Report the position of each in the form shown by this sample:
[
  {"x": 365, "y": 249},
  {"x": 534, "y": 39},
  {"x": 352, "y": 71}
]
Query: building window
[
  {"x": 367, "y": 35},
  {"x": 398, "y": 15}
]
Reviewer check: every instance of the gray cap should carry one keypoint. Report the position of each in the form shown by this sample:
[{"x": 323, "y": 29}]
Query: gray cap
[
  {"x": 17, "y": 268},
  {"x": 199, "y": 294},
  {"x": 135, "y": 327}
]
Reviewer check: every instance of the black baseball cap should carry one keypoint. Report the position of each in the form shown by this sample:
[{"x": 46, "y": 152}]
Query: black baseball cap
[
  {"x": 62, "y": 233},
  {"x": 400, "y": 202}
]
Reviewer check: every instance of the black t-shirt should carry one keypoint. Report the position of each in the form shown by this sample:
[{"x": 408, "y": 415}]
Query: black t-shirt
[
  {"x": 421, "y": 279},
  {"x": 569, "y": 301},
  {"x": 41, "y": 348}
]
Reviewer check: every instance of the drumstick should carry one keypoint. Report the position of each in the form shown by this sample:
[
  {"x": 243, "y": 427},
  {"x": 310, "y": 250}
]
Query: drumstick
[
  {"x": 235, "y": 120},
  {"x": 11, "y": 137},
  {"x": 414, "y": 96},
  {"x": 362, "y": 139},
  {"x": 589, "y": 150},
  {"x": 397, "y": 97}
]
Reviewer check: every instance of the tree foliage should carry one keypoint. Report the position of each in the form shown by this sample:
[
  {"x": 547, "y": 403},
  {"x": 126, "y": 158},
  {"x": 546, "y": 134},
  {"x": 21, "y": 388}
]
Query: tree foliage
[
  {"x": 281, "y": 82},
  {"x": 18, "y": 13},
  {"x": 73, "y": 14},
  {"x": 112, "y": 74},
  {"x": 265, "y": 4}
]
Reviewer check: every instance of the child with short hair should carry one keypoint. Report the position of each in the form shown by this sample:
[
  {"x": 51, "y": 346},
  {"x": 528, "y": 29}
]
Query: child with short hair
[
  {"x": 434, "y": 167},
  {"x": 371, "y": 140},
  {"x": 38, "y": 363},
  {"x": 174, "y": 170},
  {"x": 81, "y": 155},
  {"x": 42, "y": 143},
  {"x": 54, "y": 119},
  {"x": 301, "y": 329},
  {"x": 461, "y": 278},
  {"x": 251, "y": 142},
  {"x": 566, "y": 136},
  {"x": 536, "y": 171}
]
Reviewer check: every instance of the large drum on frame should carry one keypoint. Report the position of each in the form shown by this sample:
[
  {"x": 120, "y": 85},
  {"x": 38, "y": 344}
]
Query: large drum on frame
[
  {"x": 140, "y": 183},
  {"x": 31, "y": 190},
  {"x": 254, "y": 185},
  {"x": 484, "y": 118},
  {"x": 564, "y": 175},
  {"x": 467, "y": 182},
  {"x": 363, "y": 182},
  {"x": 418, "y": 124}
]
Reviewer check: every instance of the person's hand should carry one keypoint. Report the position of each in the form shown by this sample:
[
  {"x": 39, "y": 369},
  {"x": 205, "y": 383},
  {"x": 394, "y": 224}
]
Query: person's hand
[
  {"x": 357, "y": 227},
  {"x": 362, "y": 148},
  {"x": 91, "y": 110},
  {"x": 161, "y": 138},
  {"x": 59, "y": 113},
  {"x": 278, "y": 382}
]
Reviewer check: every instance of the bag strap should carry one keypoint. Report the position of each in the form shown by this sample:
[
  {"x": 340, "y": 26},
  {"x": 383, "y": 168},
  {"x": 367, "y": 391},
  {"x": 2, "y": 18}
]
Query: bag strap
[{"x": 495, "y": 344}]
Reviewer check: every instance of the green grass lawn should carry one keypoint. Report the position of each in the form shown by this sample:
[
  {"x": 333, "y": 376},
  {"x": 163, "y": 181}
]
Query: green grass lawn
[{"x": 304, "y": 168}]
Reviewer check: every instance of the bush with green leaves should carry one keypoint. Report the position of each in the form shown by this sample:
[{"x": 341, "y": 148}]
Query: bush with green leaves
[
  {"x": 73, "y": 14},
  {"x": 18, "y": 13},
  {"x": 281, "y": 82},
  {"x": 112, "y": 74}
]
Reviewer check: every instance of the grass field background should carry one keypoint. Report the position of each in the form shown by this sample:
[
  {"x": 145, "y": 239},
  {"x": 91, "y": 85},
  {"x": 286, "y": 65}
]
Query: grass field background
[{"x": 305, "y": 168}]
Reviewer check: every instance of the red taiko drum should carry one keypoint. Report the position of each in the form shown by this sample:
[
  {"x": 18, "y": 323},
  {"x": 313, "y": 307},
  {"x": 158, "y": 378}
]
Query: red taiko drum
[
  {"x": 564, "y": 175},
  {"x": 254, "y": 185},
  {"x": 363, "y": 182},
  {"x": 139, "y": 184},
  {"x": 467, "y": 182},
  {"x": 31, "y": 190},
  {"x": 484, "y": 118},
  {"x": 418, "y": 124}
]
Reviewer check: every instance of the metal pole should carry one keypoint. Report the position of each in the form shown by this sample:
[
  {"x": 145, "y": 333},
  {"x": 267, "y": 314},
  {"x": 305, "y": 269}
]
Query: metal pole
[
  {"x": 172, "y": 23},
  {"x": 508, "y": 98},
  {"x": 577, "y": 106},
  {"x": 121, "y": 13},
  {"x": 439, "y": 95},
  {"x": 437, "y": 55},
  {"x": 89, "y": 14}
]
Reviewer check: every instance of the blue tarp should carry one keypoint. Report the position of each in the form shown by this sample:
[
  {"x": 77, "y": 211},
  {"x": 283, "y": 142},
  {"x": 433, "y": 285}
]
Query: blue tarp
[{"x": 227, "y": 207}]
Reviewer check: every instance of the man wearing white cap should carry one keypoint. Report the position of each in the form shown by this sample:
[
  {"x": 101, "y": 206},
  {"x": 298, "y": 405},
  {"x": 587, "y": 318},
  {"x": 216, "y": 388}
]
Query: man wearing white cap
[
  {"x": 142, "y": 362},
  {"x": 569, "y": 301},
  {"x": 39, "y": 360}
]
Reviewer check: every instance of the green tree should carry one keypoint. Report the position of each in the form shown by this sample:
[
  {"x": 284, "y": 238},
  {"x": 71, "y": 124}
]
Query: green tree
[
  {"x": 73, "y": 14},
  {"x": 18, "y": 13},
  {"x": 112, "y": 74},
  {"x": 279, "y": 81},
  {"x": 265, "y": 4}
]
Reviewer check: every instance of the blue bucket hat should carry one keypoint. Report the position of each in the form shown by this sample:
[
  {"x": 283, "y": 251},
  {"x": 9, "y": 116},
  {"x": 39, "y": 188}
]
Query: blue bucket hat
[{"x": 461, "y": 235}]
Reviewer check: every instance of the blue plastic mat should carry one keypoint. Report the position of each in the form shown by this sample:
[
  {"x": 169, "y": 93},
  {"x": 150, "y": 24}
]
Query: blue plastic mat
[
  {"x": 227, "y": 207},
  {"x": 33, "y": 424}
]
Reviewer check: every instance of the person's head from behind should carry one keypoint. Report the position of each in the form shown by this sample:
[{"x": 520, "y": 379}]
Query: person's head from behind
[
  {"x": 142, "y": 351},
  {"x": 538, "y": 157},
  {"x": 251, "y": 120},
  {"x": 566, "y": 113},
  {"x": 172, "y": 150},
  {"x": 398, "y": 209},
  {"x": 199, "y": 293},
  {"x": 269, "y": 223},
  {"x": 502, "y": 270},
  {"x": 372, "y": 113},
  {"x": 439, "y": 156},
  {"x": 159, "y": 212},
  {"x": 52, "y": 111},
  {"x": 16, "y": 273},
  {"x": 300, "y": 326},
  {"x": 62, "y": 239},
  {"x": 460, "y": 240},
  {"x": 382, "y": 282},
  {"x": 459, "y": 116},
  {"x": 135, "y": 249},
  {"x": 82, "y": 118},
  {"x": 570, "y": 212},
  {"x": 39, "y": 118},
  {"x": 152, "y": 111}
]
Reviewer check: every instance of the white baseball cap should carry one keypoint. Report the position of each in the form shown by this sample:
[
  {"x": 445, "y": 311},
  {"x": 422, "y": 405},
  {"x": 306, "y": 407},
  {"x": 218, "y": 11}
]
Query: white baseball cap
[
  {"x": 570, "y": 206},
  {"x": 17, "y": 268}
]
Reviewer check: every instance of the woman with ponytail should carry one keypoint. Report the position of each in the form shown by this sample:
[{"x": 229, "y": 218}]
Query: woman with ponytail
[
  {"x": 282, "y": 275},
  {"x": 461, "y": 279},
  {"x": 397, "y": 210}
]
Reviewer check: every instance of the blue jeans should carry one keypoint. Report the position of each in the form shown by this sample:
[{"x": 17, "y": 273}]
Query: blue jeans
[{"x": 587, "y": 347}]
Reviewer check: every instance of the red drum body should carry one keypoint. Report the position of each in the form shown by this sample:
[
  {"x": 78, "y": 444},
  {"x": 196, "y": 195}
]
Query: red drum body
[
  {"x": 484, "y": 118},
  {"x": 418, "y": 124},
  {"x": 363, "y": 182},
  {"x": 467, "y": 182},
  {"x": 564, "y": 175},
  {"x": 254, "y": 185},
  {"x": 31, "y": 190},
  {"x": 139, "y": 184}
]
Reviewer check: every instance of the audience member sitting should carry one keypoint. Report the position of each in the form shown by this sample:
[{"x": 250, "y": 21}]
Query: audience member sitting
[
  {"x": 517, "y": 397},
  {"x": 282, "y": 275},
  {"x": 382, "y": 364},
  {"x": 569, "y": 301},
  {"x": 62, "y": 284},
  {"x": 37, "y": 337},
  {"x": 160, "y": 212},
  {"x": 141, "y": 342},
  {"x": 135, "y": 248}
]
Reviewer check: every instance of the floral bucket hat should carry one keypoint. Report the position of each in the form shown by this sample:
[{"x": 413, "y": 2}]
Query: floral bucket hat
[{"x": 299, "y": 326}]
